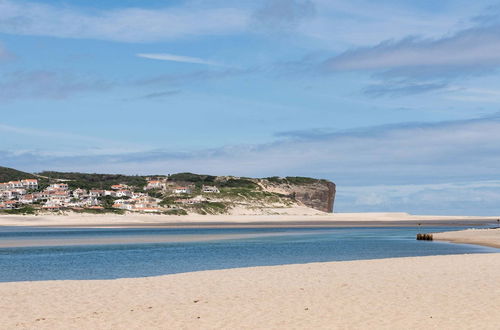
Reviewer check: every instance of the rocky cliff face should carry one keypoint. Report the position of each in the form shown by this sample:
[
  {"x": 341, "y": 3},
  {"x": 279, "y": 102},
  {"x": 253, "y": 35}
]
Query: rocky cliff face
[{"x": 317, "y": 194}]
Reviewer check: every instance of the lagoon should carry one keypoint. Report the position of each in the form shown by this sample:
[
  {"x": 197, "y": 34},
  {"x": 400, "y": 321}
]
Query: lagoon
[{"x": 35, "y": 254}]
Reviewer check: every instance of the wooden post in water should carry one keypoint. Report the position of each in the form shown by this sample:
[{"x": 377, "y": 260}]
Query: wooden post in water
[{"x": 424, "y": 237}]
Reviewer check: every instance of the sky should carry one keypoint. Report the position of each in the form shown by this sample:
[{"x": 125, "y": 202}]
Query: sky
[{"x": 394, "y": 101}]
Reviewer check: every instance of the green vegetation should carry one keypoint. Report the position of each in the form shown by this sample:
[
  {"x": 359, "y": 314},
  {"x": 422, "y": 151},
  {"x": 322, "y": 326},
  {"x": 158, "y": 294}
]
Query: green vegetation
[
  {"x": 210, "y": 208},
  {"x": 175, "y": 212},
  {"x": 108, "y": 201},
  {"x": 239, "y": 183},
  {"x": 95, "y": 181},
  {"x": 99, "y": 211},
  {"x": 296, "y": 180},
  {"x": 10, "y": 174},
  {"x": 246, "y": 192},
  {"x": 301, "y": 180},
  {"x": 25, "y": 210},
  {"x": 170, "y": 200},
  {"x": 276, "y": 179},
  {"x": 155, "y": 194},
  {"x": 249, "y": 195},
  {"x": 191, "y": 177}
]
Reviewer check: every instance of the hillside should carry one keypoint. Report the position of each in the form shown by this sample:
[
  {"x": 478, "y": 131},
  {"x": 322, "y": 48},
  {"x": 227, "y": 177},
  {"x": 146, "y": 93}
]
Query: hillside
[
  {"x": 10, "y": 174},
  {"x": 94, "y": 180},
  {"x": 317, "y": 194},
  {"x": 181, "y": 193}
]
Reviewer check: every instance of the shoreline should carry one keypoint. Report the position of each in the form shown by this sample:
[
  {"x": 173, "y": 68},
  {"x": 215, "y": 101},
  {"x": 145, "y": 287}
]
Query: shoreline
[
  {"x": 244, "y": 221},
  {"x": 485, "y": 237},
  {"x": 89, "y": 241},
  {"x": 453, "y": 291}
]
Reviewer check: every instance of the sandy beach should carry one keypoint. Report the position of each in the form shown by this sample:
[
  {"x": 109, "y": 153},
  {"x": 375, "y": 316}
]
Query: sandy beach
[
  {"x": 440, "y": 292},
  {"x": 486, "y": 237},
  {"x": 293, "y": 219}
]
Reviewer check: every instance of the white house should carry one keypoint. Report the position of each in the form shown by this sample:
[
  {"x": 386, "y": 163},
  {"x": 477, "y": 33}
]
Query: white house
[
  {"x": 155, "y": 184},
  {"x": 57, "y": 186},
  {"x": 27, "y": 199},
  {"x": 15, "y": 184},
  {"x": 120, "y": 186},
  {"x": 30, "y": 183},
  {"x": 78, "y": 193},
  {"x": 182, "y": 190},
  {"x": 122, "y": 193},
  {"x": 96, "y": 193}
]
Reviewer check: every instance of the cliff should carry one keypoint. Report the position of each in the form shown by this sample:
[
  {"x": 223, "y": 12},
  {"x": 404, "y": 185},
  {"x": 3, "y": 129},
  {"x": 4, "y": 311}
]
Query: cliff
[
  {"x": 313, "y": 193},
  {"x": 272, "y": 195}
]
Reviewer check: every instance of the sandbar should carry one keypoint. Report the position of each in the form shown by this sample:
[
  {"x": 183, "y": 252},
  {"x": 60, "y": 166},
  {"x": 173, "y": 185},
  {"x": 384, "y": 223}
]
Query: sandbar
[
  {"x": 293, "y": 220},
  {"x": 438, "y": 292},
  {"x": 485, "y": 237},
  {"x": 130, "y": 239}
]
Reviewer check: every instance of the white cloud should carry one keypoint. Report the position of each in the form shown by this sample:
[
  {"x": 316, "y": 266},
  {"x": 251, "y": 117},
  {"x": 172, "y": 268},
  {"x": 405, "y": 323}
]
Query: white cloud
[
  {"x": 468, "y": 197},
  {"x": 59, "y": 143},
  {"x": 128, "y": 25},
  {"x": 469, "y": 49},
  {"x": 467, "y": 94},
  {"x": 410, "y": 153},
  {"x": 178, "y": 58},
  {"x": 355, "y": 23},
  {"x": 448, "y": 167}
]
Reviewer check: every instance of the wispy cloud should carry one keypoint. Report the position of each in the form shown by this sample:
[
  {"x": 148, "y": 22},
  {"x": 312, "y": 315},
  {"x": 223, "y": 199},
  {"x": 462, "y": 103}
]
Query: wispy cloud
[
  {"x": 47, "y": 143},
  {"x": 467, "y": 51},
  {"x": 444, "y": 167},
  {"x": 476, "y": 95},
  {"x": 127, "y": 25},
  {"x": 417, "y": 65},
  {"x": 280, "y": 15},
  {"x": 47, "y": 84},
  {"x": 459, "y": 197},
  {"x": 156, "y": 95},
  {"x": 410, "y": 153},
  {"x": 178, "y": 58},
  {"x": 306, "y": 134},
  {"x": 403, "y": 87},
  {"x": 194, "y": 76}
]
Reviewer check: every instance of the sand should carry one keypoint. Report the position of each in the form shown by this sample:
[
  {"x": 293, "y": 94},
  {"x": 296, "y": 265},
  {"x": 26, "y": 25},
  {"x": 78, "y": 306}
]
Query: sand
[
  {"x": 130, "y": 239},
  {"x": 299, "y": 219},
  {"x": 486, "y": 237},
  {"x": 438, "y": 292}
]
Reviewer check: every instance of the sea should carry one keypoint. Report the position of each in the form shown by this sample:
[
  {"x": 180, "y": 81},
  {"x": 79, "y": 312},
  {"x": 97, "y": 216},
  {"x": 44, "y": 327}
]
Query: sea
[{"x": 110, "y": 253}]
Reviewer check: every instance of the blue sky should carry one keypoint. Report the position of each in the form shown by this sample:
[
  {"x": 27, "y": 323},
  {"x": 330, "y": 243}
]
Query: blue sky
[{"x": 395, "y": 101}]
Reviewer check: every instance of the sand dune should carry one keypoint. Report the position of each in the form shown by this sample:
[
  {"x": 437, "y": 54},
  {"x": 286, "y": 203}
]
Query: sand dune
[{"x": 439, "y": 292}]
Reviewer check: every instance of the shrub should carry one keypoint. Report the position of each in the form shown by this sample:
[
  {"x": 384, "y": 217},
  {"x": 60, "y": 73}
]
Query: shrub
[
  {"x": 176, "y": 212},
  {"x": 239, "y": 183},
  {"x": 191, "y": 177}
]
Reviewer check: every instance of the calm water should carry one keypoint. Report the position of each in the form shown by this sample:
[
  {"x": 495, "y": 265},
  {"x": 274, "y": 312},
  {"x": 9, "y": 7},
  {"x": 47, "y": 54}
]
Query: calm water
[{"x": 296, "y": 245}]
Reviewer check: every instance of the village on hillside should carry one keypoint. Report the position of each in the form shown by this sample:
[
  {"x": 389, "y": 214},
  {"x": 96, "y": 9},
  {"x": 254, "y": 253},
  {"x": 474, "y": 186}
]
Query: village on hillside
[{"x": 58, "y": 196}]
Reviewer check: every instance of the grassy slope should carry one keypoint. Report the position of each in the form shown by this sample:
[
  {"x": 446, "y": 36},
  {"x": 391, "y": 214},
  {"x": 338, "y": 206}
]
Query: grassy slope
[
  {"x": 95, "y": 181},
  {"x": 10, "y": 174}
]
